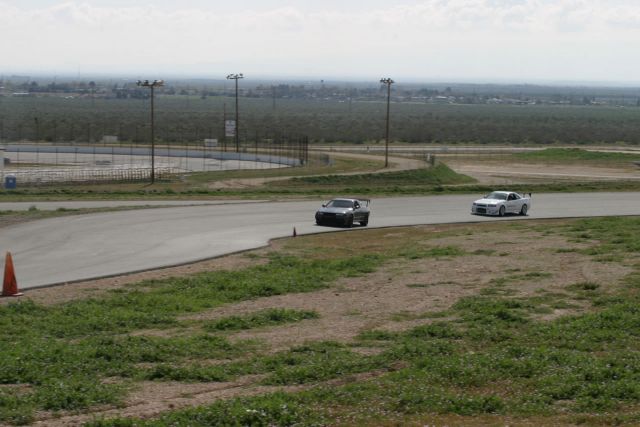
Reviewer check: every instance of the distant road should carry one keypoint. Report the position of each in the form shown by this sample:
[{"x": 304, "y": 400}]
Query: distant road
[
  {"x": 79, "y": 247},
  {"x": 423, "y": 148},
  {"x": 460, "y": 149},
  {"x": 94, "y": 204}
]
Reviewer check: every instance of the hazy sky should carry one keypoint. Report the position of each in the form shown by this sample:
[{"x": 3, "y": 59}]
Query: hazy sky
[{"x": 470, "y": 40}]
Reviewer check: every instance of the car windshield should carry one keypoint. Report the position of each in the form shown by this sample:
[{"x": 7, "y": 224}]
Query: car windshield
[
  {"x": 340, "y": 204},
  {"x": 497, "y": 196}
]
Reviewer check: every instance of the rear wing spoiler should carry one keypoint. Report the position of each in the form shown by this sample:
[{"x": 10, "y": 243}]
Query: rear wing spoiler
[{"x": 365, "y": 202}]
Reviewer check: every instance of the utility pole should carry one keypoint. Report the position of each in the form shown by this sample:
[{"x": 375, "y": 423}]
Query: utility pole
[
  {"x": 224, "y": 127},
  {"x": 236, "y": 77},
  {"x": 273, "y": 94},
  {"x": 152, "y": 85},
  {"x": 388, "y": 82}
]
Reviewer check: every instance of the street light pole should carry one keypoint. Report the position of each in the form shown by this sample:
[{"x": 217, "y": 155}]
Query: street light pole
[
  {"x": 236, "y": 77},
  {"x": 152, "y": 85},
  {"x": 388, "y": 82}
]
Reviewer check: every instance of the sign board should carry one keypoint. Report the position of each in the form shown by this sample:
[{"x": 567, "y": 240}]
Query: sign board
[
  {"x": 230, "y": 128},
  {"x": 110, "y": 139},
  {"x": 210, "y": 142}
]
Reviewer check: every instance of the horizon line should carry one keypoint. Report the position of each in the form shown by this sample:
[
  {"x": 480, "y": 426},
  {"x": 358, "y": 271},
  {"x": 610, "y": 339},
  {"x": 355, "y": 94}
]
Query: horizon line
[{"x": 500, "y": 81}]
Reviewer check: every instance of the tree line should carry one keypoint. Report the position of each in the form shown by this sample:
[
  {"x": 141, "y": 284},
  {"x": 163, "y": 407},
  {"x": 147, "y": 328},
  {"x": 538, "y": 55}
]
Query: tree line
[{"x": 193, "y": 118}]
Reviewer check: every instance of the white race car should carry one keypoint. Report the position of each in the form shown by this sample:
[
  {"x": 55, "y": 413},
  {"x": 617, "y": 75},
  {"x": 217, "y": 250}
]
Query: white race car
[{"x": 501, "y": 203}]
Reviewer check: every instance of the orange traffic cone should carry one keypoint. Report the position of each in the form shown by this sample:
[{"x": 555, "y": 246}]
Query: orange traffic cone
[
  {"x": 294, "y": 232},
  {"x": 10, "y": 284}
]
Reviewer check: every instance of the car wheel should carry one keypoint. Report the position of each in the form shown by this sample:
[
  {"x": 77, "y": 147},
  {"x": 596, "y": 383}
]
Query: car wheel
[
  {"x": 523, "y": 210},
  {"x": 365, "y": 222},
  {"x": 501, "y": 211},
  {"x": 349, "y": 223}
]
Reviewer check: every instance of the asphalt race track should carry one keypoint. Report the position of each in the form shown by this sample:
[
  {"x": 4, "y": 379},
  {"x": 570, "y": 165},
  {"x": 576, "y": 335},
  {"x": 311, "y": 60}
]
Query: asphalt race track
[{"x": 87, "y": 246}]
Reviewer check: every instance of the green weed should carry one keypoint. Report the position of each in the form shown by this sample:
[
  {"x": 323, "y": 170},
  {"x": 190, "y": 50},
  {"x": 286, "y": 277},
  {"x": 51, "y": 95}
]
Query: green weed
[
  {"x": 584, "y": 286},
  {"x": 278, "y": 409},
  {"x": 433, "y": 252},
  {"x": 268, "y": 317}
]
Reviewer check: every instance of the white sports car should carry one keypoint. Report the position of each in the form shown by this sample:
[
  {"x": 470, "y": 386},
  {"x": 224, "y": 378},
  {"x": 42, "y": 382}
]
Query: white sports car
[{"x": 501, "y": 203}]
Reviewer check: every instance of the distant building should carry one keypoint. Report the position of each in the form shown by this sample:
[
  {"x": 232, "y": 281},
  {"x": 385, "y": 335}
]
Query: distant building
[{"x": 441, "y": 99}]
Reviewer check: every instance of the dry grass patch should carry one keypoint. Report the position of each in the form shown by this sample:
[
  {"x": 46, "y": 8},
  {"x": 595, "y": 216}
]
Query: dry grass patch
[{"x": 418, "y": 287}]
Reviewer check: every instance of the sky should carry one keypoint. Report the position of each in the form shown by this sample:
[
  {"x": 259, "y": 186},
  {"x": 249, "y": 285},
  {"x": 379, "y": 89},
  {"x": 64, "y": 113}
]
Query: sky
[{"x": 480, "y": 41}]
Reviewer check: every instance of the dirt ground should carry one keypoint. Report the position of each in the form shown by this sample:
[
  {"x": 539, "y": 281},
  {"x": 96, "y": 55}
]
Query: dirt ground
[
  {"x": 485, "y": 171},
  {"x": 503, "y": 172},
  {"x": 395, "y": 297}
]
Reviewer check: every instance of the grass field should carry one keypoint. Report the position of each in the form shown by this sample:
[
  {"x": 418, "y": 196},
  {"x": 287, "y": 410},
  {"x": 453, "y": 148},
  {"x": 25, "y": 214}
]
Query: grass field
[
  {"x": 326, "y": 181},
  {"x": 438, "y": 175},
  {"x": 517, "y": 323}
]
